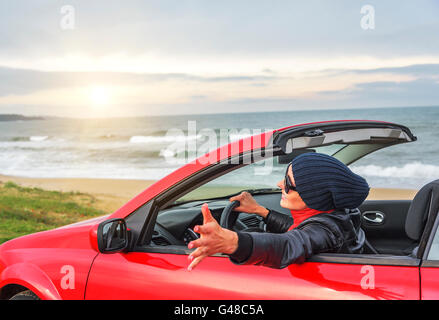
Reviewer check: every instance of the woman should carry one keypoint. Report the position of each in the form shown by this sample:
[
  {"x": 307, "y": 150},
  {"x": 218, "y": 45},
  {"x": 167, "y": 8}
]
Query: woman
[{"x": 321, "y": 193}]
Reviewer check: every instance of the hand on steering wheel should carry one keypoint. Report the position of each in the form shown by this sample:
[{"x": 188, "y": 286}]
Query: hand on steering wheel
[
  {"x": 213, "y": 239},
  {"x": 229, "y": 215},
  {"x": 248, "y": 204}
]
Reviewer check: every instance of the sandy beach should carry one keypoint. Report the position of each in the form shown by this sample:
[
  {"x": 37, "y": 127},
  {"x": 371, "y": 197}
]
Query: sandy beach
[
  {"x": 110, "y": 193},
  {"x": 113, "y": 193}
]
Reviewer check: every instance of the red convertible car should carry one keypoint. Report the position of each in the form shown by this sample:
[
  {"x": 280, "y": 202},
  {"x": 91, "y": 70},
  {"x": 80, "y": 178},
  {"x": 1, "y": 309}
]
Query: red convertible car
[{"x": 140, "y": 251}]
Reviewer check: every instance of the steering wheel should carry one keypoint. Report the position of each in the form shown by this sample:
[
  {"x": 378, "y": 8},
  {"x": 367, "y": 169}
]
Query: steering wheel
[{"x": 228, "y": 219}]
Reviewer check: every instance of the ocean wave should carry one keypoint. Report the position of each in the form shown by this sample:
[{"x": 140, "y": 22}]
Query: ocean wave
[
  {"x": 38, "y": 138},
  {"x": 161, "y": 139},
  {"x": 24, "y": 138},
  {"x": 107, "y": 136},
  {"x": 17, "y": 139},
  {"x": 409, "y": 170},
  {"x": 155, "y": 137}
]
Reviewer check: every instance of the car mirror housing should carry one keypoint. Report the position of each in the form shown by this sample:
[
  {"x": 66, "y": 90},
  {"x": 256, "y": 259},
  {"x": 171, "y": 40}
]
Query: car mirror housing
[{"x": 112, "y": 236}]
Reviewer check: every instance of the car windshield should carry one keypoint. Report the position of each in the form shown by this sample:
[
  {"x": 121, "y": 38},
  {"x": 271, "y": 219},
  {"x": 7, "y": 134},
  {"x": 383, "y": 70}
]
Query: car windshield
[{"x": 262, "y": 175}]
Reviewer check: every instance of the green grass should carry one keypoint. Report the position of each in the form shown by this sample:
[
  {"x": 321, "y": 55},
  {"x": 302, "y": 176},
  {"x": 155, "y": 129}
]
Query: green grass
[{"x": 28, "y": 210}]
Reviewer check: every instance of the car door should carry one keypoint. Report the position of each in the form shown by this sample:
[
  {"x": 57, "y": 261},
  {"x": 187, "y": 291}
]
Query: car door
[{"x": 149, "y": 275}]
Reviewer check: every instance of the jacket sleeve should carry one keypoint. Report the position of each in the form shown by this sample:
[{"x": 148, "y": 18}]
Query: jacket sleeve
[
  {"x": 279, "y": 250},
  {"x": 278, "y": 222}
]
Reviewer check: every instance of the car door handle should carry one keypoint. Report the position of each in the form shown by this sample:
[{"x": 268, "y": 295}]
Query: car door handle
[{"x": 374, "y": 217}]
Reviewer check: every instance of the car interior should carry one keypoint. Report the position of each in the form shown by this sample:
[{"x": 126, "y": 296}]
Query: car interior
[
  {"x": 392, "y": 227},
  {"x": 384, "y": 222}
]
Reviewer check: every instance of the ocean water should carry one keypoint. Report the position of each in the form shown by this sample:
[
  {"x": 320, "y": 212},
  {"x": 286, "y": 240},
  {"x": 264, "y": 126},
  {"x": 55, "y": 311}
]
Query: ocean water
[{"x": 142, "y": 148}]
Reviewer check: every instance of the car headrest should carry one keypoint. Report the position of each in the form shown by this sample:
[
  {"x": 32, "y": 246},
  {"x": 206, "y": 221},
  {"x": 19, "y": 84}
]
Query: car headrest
[{"x": 424, "y": 204}]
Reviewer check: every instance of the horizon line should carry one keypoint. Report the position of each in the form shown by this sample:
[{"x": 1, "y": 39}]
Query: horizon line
[{"x": 212, "y": 113}]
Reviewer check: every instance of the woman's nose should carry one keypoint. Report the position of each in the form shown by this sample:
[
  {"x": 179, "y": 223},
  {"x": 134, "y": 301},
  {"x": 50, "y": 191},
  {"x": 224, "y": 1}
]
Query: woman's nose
[{"x": 280, "y": 184}]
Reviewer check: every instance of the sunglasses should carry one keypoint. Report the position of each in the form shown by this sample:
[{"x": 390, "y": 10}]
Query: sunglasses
[{"x": 287, "y": 183}]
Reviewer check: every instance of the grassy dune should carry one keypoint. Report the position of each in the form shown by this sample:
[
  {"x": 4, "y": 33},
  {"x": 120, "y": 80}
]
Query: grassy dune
[{"x": 28, "y": 210}]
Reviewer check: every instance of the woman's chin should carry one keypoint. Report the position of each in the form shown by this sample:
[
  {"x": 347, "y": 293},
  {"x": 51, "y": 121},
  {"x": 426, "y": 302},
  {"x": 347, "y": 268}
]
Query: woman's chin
[
  {"x": 284, "y": 204},
  {"x": 288, "y": 205}
]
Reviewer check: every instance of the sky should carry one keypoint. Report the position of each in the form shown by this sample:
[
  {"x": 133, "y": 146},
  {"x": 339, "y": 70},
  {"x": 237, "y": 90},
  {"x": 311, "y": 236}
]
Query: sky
[{"x": 137, "y": 58}]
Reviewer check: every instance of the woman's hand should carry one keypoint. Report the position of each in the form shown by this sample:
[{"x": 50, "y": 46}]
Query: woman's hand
[
  {"x": 249, "y": 205},
  {"x": 213, "y": 239}
]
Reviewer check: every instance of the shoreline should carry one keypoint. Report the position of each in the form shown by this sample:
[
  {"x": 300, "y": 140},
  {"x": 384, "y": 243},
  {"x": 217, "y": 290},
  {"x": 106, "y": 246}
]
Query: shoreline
[{"x": 113, "y": 193}]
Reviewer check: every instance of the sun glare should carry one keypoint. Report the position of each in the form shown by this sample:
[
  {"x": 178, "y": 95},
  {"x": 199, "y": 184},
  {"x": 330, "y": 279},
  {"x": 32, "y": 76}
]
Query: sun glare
[{"x": 100, "y": 96}]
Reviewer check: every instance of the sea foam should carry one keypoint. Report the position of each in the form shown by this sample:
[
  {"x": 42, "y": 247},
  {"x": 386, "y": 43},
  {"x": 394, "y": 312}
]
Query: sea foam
[
  {"x": 409, "y": 170},
  {"x": 38, "y": 138},
  {"x": 161, "y": 139}
]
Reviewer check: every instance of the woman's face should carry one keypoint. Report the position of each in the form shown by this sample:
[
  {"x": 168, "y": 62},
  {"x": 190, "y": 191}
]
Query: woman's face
[{"x": 291, "y": 200}]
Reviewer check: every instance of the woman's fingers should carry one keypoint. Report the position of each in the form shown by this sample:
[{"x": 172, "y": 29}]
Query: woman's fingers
[
  {"x": 238, "y": 198},
  {"x": 195, "y": 262},
  {"x": 201, "y": 244},
  {"x": 199, "y": 252},
  {"x": 204, "y": 229},
  {"x": 241, "y": 199},
  {"x": 212, "y": 239},
  {"x": 198, "y": 255},
  {"x": 246, "y": 202},
  {"x": 196, "y": 243},
  {"x": 207, "y": 215}
]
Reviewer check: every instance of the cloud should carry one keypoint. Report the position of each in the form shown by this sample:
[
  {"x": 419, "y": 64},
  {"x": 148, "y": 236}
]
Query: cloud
[
  {"x": 190, "y": 93},
  {"x": 24, "y": 81},
  {"x": 420, "y": 92},
  {"x": 417, "y": 70},
  {"x": 197, "y": 28}
]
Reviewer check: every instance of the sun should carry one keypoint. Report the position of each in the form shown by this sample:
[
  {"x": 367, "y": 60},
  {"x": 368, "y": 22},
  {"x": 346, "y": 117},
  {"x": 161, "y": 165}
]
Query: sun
[{"x": 100, "y": 96}]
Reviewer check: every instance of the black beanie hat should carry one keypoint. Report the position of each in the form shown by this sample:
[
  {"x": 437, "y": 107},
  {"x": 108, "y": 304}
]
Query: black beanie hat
[{"x": 325, "y": 183}]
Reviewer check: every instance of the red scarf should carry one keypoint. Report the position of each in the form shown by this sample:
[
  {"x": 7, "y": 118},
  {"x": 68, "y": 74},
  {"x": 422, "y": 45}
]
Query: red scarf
[{"x": 301, "y": 215}]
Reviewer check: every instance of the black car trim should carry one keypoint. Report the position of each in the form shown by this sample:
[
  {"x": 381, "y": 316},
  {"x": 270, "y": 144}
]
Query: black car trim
[
  {"x": 368, "y": 259},
  {"x": 430, "y": 264},
  {"x": 427, "y": 236},
  {"x": 357, "y": 259},
  {"x": 280, "y": 137},
  {"x": 425, "y": 244}
]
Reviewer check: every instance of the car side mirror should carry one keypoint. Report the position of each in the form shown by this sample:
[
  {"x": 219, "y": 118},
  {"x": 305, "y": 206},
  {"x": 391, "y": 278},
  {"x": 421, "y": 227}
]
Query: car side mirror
[{"x": 112, "y": 236}]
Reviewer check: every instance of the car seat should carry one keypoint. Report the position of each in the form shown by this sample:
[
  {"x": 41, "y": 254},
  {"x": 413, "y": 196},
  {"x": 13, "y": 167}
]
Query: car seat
[{"x": 421, "y": 215}]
